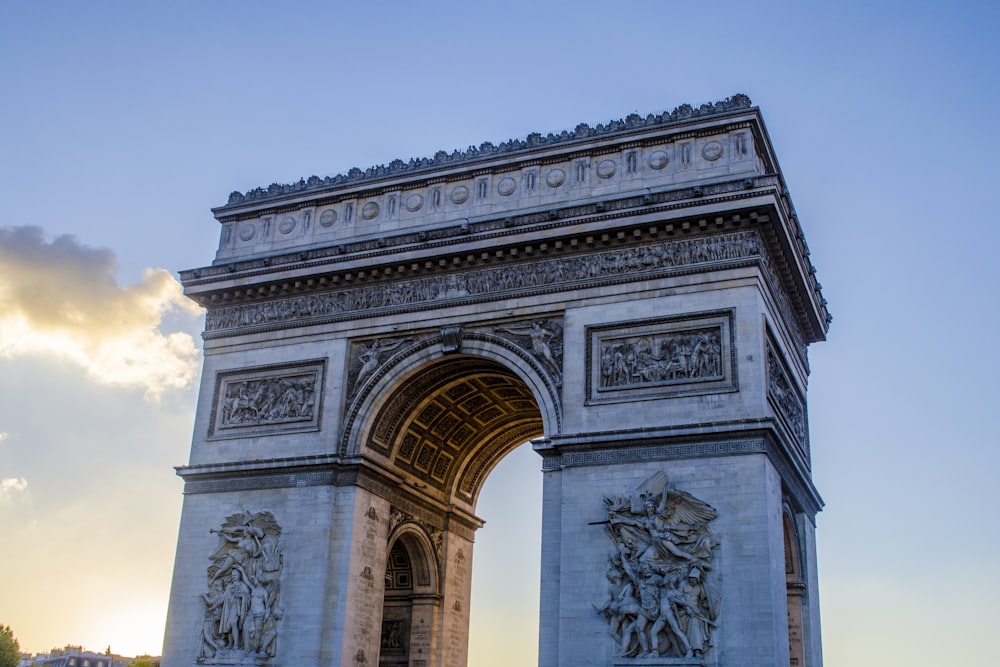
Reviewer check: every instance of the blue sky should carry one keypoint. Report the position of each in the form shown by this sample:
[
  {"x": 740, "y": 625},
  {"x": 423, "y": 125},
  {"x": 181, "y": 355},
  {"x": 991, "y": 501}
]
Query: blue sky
[{"x": 123, "y": 124}]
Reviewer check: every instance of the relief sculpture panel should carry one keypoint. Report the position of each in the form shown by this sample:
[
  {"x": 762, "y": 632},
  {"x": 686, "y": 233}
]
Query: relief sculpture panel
[
  {"x": 661, "y": 357},
  {"x": 660, "y": 600},
  {"x": 787, "y": 399},
  {"x": 271, "y": 399},
  {"x": 692, "y": 354},
  {"x": 242, "y": 609}
]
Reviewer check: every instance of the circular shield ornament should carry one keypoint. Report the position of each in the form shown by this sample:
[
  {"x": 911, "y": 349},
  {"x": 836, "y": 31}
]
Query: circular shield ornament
[
  {"x": 658, "y": 160},
  {"x": 460, "y": 194},
  {"x": 555, "y": 178},
  {"x": 328, "y": 217},
  {"x": 712, "y": 151},
  {"x": 606, "y": 169},
  {"x": 506, "y": 186},
  {"x": 414, "y": 202}
]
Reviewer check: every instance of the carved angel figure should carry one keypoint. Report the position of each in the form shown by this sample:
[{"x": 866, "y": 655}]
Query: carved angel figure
[
  {"x": 542, "y": 334},
  {"x": 241, "y": 607},
  {"x": 659, "y": 602},
  {"x": 370, "y": 356}
]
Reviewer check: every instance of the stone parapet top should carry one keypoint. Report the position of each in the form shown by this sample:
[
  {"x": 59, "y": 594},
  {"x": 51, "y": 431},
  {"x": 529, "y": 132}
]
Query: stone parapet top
[{"x": 488, "y": 150}]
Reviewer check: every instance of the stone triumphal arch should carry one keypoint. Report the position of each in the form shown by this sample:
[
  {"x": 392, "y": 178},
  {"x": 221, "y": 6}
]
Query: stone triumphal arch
[{"x": 635, "y": 299}]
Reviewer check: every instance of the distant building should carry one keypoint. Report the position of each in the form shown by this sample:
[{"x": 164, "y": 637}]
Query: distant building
[{"x": 76, "y": 656}]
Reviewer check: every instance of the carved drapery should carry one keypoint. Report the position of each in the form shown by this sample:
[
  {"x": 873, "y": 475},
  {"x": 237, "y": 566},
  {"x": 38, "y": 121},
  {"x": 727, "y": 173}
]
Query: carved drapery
[
  {"x": 543, "y": 339},
  {"x": 242, "y": 609},
  {"x": 660, "y": 599}
]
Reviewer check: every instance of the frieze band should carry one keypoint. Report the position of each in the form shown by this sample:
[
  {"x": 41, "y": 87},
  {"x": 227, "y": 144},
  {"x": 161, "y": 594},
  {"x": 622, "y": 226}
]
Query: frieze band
[{"x": 495, "y": 283}]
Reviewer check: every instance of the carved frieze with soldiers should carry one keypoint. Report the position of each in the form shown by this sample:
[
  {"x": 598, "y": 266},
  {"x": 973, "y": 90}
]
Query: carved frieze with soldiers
[
  {"x": 268, "y": 399},
  {"x": 681, "y": 356},
  {"x": 786, "y": 398},
  {"x": 491, "y": 282},
  {"x": 660, "y": 599}
]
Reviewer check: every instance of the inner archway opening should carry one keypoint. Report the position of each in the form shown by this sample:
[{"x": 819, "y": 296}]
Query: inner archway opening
[
  {"x": 445, "y": 430},
  {"x": 503, "y": 624}
]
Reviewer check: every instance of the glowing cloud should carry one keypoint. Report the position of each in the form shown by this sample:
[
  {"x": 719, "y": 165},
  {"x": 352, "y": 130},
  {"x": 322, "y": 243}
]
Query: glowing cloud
[
  {"x": 12, "y": 486},
  {"x": 61, "y": 299}
]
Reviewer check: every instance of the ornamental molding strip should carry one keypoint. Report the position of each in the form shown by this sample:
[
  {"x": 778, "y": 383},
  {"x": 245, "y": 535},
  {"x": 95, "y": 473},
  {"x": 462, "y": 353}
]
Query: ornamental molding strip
[
  {"x": 358, "y": 245},
  {"x": 631, "y": 453}
]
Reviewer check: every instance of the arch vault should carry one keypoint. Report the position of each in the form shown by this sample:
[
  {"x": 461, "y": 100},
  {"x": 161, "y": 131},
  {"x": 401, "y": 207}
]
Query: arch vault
[{"x": 635, "y": 299}]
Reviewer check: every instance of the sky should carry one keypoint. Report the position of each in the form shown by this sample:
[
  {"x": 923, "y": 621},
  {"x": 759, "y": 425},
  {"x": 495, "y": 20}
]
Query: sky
[{"x": 124, "y": 123}]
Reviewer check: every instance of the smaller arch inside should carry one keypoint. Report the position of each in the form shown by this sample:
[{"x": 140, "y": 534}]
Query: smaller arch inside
[
  {"x": 410, "y": 599},
  {"x": 795, "y": 590}
]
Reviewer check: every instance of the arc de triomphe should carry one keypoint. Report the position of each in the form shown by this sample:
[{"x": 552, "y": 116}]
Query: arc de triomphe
[{"x": 635, "y": 298}]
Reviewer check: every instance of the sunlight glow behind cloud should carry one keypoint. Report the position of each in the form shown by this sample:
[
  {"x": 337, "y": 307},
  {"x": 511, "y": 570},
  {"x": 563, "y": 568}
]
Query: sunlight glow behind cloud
[
  {"x": 61, "y": 299},
  {"x": 12, "y": 486}
]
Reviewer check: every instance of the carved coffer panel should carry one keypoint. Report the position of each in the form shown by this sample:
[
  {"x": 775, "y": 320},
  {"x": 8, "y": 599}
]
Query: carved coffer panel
[
  {"x": 268, "y": 400},
  {"x": 663, "y": 357}
]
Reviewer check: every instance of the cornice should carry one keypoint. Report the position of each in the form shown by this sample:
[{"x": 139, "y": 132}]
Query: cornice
[
  {"x": 467, "y": 159},
  {"x": 738, "y": 438}
]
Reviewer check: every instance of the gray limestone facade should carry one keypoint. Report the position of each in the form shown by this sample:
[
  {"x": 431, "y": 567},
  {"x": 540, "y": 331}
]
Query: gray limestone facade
[{"x": 636, "y": 299}]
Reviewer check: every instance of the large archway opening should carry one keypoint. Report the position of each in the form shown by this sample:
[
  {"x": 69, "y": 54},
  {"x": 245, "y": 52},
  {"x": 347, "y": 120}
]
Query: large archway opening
[
  {"x": 503, "y": 624},
  {"x": 443, "y": 430}
]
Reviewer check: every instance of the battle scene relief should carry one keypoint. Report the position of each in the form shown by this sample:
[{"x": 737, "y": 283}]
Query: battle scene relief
[
  {"x": 666, "y": 356},
  {"x": 268, "y": 399},
  {"x": 694, "y": 354},
  {"x": 660, "y": 601}
]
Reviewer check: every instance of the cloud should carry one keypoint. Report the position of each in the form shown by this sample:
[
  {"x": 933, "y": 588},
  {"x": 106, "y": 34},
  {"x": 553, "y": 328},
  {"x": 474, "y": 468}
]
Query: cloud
[
  {"x": 12, "y": 486},
  {"x": 4, "y": 436},
  {"x": 61, "y": 299}
]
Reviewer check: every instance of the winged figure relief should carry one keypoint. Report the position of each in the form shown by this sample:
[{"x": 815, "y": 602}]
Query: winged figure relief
[{"x": 659, "y": 601}]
